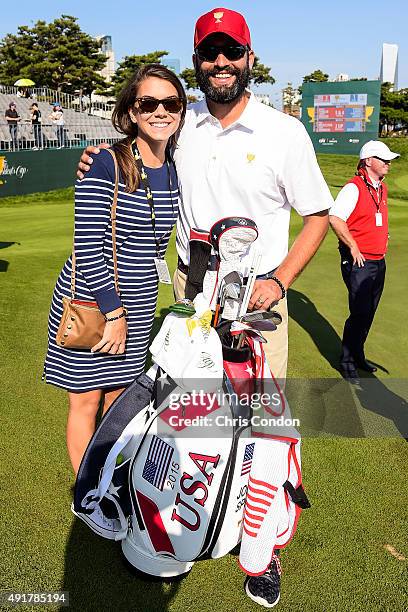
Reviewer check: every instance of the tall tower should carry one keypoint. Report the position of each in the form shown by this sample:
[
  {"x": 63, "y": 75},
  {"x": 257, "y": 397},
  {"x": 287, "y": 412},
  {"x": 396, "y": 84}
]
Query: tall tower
[
  {"x": 389, "y": 65},
  {"x": 106, "y": 48}
]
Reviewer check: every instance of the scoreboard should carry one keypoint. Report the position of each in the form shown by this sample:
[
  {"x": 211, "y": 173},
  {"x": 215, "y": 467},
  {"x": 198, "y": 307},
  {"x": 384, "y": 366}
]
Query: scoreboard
[
  {"x": 341, "y": 117},
  {"x": 340, "y": 113}
]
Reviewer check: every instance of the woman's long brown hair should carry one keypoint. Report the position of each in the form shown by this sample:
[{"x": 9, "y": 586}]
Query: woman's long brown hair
[{"x": 123, "y": 124}]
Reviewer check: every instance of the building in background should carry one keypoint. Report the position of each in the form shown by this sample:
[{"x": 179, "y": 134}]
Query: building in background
[
  {"x": 103, "y": 105},
  {"x": 291, "y": 101},
  {"x": 389, "y": 65},
  {"x": 341, "y": 78},
  {"x": 106, "y": 48},
  {"x": 172, "y": 63}
]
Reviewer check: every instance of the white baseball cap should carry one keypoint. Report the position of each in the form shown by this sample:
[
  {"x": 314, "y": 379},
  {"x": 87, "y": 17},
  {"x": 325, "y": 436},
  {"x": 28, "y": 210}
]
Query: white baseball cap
[{"x": 376, "y": 148}]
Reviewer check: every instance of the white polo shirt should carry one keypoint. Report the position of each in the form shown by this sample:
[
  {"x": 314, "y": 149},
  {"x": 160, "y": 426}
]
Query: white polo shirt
[{"x": 259, "y": 167}]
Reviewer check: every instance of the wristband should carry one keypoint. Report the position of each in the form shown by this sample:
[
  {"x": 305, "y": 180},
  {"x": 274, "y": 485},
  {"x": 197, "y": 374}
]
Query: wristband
[
  {"x": 279, "y": 282},
  {"x": 123, "y": 314}
]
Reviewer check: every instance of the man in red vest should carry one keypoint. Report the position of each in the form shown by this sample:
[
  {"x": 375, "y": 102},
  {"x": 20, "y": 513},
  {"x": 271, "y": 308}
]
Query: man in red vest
[{"x": 359, "y": 218}]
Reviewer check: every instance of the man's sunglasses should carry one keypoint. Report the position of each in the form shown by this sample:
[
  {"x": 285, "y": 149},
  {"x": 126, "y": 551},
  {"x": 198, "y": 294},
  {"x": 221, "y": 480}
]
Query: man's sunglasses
[
  {"x": 384, "y": 161},
  {"x": 149, "y": 105},
  {"x": 209, "y": 53}
]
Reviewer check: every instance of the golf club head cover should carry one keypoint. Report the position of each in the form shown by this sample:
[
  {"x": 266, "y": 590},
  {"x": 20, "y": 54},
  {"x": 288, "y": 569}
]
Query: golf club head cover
[
  {"x": 200, "y": 251},
  {"x": 236, "y": 247}
]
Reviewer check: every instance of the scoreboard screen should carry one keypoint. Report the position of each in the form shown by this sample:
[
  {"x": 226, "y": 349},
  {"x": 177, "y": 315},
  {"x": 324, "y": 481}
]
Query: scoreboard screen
[
  {"x": 340, "y": 113},
  {"x": 341, "y": 116}
]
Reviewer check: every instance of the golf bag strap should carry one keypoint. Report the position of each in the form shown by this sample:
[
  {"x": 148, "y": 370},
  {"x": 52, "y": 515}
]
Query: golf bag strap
[
  {"x": 93, "y": 497},
  {"x": 124, "y": 525},
  {"x": 113, "y": 225}
]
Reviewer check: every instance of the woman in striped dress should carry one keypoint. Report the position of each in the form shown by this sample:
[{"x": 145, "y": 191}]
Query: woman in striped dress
[{"x": 150, "y": 112}]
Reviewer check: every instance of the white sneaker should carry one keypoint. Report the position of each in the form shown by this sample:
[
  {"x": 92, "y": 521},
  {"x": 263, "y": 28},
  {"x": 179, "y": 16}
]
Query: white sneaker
[{"x": 99, "y": 523}]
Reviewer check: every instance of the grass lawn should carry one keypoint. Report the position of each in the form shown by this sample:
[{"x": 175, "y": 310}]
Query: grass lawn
[{"x": 358, "y": 487}]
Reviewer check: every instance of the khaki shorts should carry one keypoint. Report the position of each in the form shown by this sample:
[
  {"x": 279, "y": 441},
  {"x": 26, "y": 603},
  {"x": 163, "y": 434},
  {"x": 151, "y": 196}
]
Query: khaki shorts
[{"x": 276, "y": 348}]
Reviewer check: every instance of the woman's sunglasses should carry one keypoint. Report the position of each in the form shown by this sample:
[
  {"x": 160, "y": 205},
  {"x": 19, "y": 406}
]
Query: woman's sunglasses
[
  {"x": 209, "y": 53},
  {"x": 149, "y": 105}
]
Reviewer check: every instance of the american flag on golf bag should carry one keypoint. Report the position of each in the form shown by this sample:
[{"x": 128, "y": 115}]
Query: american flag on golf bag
[
  {"x": 248, "y": 454},
  {"x": 258, "y": 500},
  {"x": 157, "y": 462}
]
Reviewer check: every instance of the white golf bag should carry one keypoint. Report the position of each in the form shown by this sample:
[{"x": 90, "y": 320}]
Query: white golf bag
[{"x": 180, "y": 462}]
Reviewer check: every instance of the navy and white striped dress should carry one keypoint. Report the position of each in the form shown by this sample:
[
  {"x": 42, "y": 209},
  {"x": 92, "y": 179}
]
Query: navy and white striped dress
[{"x": 81, "y": 370}]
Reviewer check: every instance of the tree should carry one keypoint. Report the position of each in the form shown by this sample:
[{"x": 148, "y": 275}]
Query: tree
[
  {"x": 393, "y": 109},
  {"x": 57, "y": 54},
  {"x": 259, "y": 74},
  {"x": 316, "y": 77},
  {"x": 189, "y": 78},
  {"x": 290, "y": 99},
  {"x": 128, "y": 66}
]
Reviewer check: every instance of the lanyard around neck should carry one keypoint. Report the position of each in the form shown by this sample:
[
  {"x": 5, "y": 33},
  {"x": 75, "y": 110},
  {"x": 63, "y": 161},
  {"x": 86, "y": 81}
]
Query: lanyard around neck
[
  {"x": 379, "y": 193},
  {"x": 149, "y": 195}
]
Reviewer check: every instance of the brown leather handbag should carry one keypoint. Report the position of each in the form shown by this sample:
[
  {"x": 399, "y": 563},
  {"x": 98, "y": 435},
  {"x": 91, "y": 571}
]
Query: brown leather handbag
[{"x": 82, "y": 323}]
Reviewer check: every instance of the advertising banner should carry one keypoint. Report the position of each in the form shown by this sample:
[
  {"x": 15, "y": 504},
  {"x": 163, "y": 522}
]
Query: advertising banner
[{"x": 35, "y": 171}]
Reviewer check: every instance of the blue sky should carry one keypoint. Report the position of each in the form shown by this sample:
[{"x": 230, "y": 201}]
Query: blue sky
[{"x": 293, "y": 38}]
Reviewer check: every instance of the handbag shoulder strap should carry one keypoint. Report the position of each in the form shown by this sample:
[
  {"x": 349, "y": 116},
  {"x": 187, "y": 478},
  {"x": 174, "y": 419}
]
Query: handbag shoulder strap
[
  {"x": 113, "y": 220},
  {"x": 113, "y": 225}
]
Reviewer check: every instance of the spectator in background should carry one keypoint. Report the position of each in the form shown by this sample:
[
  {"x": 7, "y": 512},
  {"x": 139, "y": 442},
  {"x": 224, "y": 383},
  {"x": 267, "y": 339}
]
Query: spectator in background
[
  {"x": 359, "y": 218},
  {"x": 57, "y": 119},
  {"x": 36, "y": 123},
  {"x": 12, "y": 118}
]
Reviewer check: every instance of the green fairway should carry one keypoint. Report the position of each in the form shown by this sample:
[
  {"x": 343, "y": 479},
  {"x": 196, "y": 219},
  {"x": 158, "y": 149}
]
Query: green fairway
[{"x": 338, "y": 560}]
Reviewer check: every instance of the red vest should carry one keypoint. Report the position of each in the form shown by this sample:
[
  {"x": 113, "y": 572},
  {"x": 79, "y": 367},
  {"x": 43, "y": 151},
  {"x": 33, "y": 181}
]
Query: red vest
[{"x": 371, "y": 239}]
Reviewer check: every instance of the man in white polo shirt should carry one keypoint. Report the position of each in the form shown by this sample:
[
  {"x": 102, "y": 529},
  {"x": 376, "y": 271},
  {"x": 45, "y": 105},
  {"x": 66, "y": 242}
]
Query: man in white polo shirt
[{"x": 237, "y": 156}]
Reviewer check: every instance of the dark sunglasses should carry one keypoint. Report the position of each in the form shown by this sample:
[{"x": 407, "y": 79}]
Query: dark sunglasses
[
  {"x": 209, "y": 53},
  {"x": 149, "y": 105},
  {"x": 384, "y": 161}
]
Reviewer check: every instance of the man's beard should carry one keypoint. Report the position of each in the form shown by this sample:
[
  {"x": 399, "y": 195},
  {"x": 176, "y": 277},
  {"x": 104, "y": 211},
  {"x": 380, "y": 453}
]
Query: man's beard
[{"x": 223, "y": 95}]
